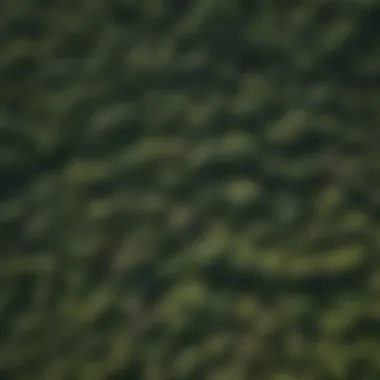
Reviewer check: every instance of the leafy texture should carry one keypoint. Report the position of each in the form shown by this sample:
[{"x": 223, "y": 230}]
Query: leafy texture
[{"x": 189, "y": 190}]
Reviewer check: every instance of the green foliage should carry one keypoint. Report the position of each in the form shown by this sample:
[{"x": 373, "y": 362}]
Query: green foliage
[{"x": 189, "y": 190}]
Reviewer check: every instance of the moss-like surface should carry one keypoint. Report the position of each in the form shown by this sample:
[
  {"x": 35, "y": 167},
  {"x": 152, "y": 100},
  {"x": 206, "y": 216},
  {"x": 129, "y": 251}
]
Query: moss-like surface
[{"x": 189, "y": 190}]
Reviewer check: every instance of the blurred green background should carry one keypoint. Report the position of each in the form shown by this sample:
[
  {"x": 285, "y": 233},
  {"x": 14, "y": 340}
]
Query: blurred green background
[{"x": 189, "y": 190}]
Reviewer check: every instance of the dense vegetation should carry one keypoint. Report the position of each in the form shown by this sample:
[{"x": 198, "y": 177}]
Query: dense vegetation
[{"x": 190, "y": 190}]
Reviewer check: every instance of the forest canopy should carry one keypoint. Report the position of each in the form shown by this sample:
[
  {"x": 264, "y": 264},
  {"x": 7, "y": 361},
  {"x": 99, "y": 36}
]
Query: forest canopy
[{"x": 190, "y": 190}]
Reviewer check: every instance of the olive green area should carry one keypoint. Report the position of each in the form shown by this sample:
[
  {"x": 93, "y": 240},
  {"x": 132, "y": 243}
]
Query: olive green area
[{"x": 190, "y": 190}]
